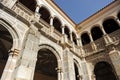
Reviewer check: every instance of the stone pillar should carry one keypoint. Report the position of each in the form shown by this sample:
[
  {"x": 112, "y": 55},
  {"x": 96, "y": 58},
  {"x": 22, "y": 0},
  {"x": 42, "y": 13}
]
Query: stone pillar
[
  {"x": 9, "y": 70},
  {"x": 81, "y": 48},
  {"x": 115, "y": 58},
  {"x": 59, "y": 71},
  {"x": 25, "y": 70},
  {"x": 93, "y": 77},
  {"x": 94, "y": 47},
  {"x": 37, "y": 14},
  {"x": 78, "y": 41},
  {"x": 68, "y": 65},
  {"x": 51, "y": 20},
  {"x": 80, "y": 77},
  {"x": 84, "y": 70},
  {"x": 107, "y": 39},
  {"x": 71, "y": 37},
  {"x": 118, "y": 21},
  {"x": 51, "y": 25},
  {"x": 63, "y": 29}
]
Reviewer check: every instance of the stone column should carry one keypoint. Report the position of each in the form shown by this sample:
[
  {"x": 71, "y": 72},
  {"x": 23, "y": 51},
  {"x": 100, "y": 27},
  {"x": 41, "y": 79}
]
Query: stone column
[
  {"x": 80, "y": 42},
  {"x": 63, "y": 29},
  {"x": 115, "y": 58},
  {"x": 80, "y": 77},
  {"x": 28, "y": 59},
  {"x": 37, "y": 14},
  {"x": 107, "y": 39},
  {"x": 59, "y": 71},
  {"x": 94, "y": 47},
  {"x": 118, "y": 21},
  {"x": 93, "y": 77},
  {"x": 51, "y": 20},
  {"x": 8, "y": 72},
  {"x": 71, "y": 37},
  {"x": 51, "y": 24},
  {"x": 81, "y": 47}
]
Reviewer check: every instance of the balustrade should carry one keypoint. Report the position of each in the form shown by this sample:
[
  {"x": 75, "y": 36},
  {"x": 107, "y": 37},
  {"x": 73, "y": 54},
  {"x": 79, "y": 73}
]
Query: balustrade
[
  {"x": 101, "y": 44},
  {"x": 20, "y": 10}
]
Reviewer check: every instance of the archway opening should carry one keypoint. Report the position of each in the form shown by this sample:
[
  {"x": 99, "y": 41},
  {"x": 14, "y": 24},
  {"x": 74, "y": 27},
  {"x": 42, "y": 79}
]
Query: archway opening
[
  {"x": 104, "y": 71},
  {"x": 46, "y": 65},
  {"x": 118, "y": 16},
  {"x": 74, "y": 38},
  {"x": 85, "y": 39},
  {"x": 76, "y": 72},
  {"x": 110, "y": 25},
  {"x": 45, "y": 14},
  {"x": 30, "y": 4},
  {"x": 6, "y": 42},
  {"x": 67, "y": 32},
  {"x": 57, "y": 24},
  {"x": 96, "y": 33}
]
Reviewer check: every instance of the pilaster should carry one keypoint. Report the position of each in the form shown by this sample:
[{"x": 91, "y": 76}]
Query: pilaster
[{"x": 115, "y": 58}]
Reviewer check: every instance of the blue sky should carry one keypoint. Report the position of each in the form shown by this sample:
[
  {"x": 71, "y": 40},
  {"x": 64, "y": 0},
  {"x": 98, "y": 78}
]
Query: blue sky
[{"x": 78, "y": 10}]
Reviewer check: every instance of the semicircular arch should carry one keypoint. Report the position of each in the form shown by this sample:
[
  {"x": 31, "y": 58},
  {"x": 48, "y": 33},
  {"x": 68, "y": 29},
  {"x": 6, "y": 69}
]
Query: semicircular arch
[{"x": 12, "y": 31}]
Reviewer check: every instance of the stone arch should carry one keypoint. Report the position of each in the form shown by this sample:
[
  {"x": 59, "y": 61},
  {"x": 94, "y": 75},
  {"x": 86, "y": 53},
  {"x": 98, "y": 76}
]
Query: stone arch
[
  {"x": 30, "y": 4},
  {"x": 103, "y": 71},
  {"x": 77, "y": 70},
  {"x": 50, "y": 48},
  {"x": 85, "y": 38},
  {"x": 67, "y": 32},
  {"x": 45, "y": 14},
  {"x": 8, "y": 43},
  {"x": 57, "y": 24},
  {"x": 96, "y": 32},
  {"x": 110, "y": 25},
  {"x": 48, "y": 63},
  {"x": 12, "y": 31}
]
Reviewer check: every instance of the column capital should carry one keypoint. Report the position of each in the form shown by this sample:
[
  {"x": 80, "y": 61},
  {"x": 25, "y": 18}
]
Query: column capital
[
  {"x": 80, "y": 77},
  {"x": 58, "y": 69},
  {"x": 62, "y": 26},
  {"x": 51, "y": 17},
  {"x": 14, "y": 52}
]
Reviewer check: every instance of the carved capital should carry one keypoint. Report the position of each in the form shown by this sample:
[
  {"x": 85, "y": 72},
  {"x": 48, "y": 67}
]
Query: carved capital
[
  {"x": 58, "y": 69},
  {"x": 14, "y": 52}
]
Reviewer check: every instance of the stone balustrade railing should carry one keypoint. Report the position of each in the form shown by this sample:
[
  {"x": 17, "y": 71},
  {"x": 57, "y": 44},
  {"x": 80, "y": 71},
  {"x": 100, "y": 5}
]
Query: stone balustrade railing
[
  {"x": 100, "y": 43},
  {"x": 20, "y": 10}
]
